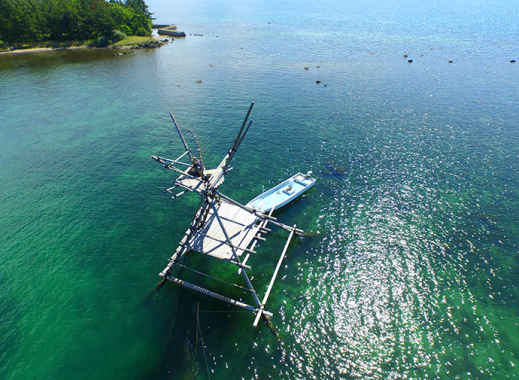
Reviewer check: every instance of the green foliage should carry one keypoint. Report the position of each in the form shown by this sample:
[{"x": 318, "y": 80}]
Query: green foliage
[
  {"x": 117, "y": 35},
  {"x": 101, "y": 41},
  {"x": 126, "y": 30},
  {"x": 63, "y": 20},
  {"x": 141, "y": 32}
]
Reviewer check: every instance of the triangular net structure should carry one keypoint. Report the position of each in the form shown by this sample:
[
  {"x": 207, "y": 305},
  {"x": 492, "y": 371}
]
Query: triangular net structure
[{"x": 221, "y": 228}]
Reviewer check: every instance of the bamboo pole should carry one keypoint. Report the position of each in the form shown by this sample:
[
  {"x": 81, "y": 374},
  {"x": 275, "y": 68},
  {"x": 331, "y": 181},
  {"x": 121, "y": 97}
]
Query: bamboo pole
[
  {"x": 180, "y": 135},
  {"x": 235, "y": 256},
  {"x": 243, "y": 135},
  {"x": 261, "y": 215},
  {"x": 169, "y": 161},
  {"x": 255, "y": 242},
  {"x": 182, "y": 247},
  {"x": 232, "y": 245},
  {"x": 273, "y": 279},
  {"x": 236, "y": 144},
  {"x": 175, "y": 196},
  {"x": 218, "y": 296}
]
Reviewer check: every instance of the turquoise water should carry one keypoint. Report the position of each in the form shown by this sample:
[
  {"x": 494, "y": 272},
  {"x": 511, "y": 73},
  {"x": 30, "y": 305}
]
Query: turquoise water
[{"x": 411, "y": 269}]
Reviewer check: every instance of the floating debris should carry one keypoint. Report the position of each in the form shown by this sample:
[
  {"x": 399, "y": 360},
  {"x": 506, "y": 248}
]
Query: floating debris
[
  {"x": 451, "y": 61},
  {"x": 409, "y": 61},
  {"x": 317, "y": 81},
  {"x": 512, "y": 61},
  {"x": 306, "y": 68},
  {"x": 317, "y": 67},
  {"x": 199, "y": 81},
  {"x": 405, "y": 55}
]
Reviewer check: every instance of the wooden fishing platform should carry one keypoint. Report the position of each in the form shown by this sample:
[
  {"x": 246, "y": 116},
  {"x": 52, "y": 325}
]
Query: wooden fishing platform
[{"x": 221, "y": 227}]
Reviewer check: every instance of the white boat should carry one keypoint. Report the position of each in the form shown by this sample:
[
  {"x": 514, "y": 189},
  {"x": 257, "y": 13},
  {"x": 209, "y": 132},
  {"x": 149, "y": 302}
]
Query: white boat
[{"x": 282, "y": 194}]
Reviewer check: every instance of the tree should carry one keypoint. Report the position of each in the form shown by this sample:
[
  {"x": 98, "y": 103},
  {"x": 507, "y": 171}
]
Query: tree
[{"x": 60, "y": 20}]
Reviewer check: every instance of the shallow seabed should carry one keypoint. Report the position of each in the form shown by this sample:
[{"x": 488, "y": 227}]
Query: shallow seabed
[{"x": 411, "y": 269}]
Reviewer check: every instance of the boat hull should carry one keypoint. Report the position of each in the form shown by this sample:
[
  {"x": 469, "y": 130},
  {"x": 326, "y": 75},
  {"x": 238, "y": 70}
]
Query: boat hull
[{"x": 283, "y": 193}]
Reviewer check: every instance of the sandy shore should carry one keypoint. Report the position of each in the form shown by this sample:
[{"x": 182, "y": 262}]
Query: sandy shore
[{"x": 40, "y": 50}]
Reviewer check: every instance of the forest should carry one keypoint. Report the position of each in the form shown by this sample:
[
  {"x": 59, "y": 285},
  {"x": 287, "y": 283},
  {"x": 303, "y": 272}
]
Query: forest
[{"x": 30, "y": 21}]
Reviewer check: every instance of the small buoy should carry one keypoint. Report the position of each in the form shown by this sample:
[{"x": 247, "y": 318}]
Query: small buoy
[
  {"x": 317, "y": 81},
  {"x": 450, "y": 61},
  {"x": 409, "y": 61},
  {"x": 512, "y": 61}
]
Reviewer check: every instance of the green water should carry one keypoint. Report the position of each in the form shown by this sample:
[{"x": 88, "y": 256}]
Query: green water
[{"x": 412, "y": 268}]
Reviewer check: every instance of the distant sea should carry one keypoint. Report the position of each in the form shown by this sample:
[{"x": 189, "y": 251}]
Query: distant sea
[{"x": 411, "y": 266}]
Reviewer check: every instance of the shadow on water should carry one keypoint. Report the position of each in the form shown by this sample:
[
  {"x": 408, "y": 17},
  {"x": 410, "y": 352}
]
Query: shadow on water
[
  {"x": 45, "y": 60},
  {"x": 199, "y": 329},
  {"x": 11, "y": 337}
]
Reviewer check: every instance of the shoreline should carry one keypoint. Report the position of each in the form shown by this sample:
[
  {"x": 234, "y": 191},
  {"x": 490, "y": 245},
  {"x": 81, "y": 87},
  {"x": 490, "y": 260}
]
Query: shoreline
[
  {"x": 43, "y": 50},
  {"x": 65, "y": 48}
]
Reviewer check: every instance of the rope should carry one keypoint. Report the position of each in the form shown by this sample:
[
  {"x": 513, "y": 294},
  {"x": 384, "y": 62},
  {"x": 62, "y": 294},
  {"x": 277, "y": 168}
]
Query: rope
[{"x": 202, "y": 343}]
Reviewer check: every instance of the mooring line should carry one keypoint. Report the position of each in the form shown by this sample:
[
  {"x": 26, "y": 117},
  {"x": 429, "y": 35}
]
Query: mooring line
[{"x": 202, "y": 343}]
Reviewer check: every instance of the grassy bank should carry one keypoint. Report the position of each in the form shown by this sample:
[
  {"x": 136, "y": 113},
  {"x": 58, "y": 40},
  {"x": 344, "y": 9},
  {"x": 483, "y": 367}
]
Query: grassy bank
[{"x": 133, "y": 40}]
